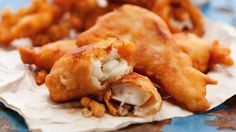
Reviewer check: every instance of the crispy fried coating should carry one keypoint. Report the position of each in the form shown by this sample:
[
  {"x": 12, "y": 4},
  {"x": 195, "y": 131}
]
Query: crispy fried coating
[
  {"x": 40, "y": 76},
  {"x": 87, "y": 10},
  {"x": 59, "y": 30},
  {"x": 92, "y": 15},
  {"x": 27, "y": 21},
  {"x": 180, "y": 15},
  {"x": 98, "y": 109},
  {"x": 47, "y": 55},
  {"x": 179, "y": 11},
  {"x": 157, "y": 55},
  {"x": 135, "y": 91},
  {"x": 196, "y": 48},
  {"x": 143, "y": 3},
  {"x": 81, "y": 6},
  {"x": 87, "y": 70},
  {"x": 95, "y": 108},
  {"x": 203, "y": 55},
  {"x": 220, "y": 54},
  {"x": 85, "y": 101}
]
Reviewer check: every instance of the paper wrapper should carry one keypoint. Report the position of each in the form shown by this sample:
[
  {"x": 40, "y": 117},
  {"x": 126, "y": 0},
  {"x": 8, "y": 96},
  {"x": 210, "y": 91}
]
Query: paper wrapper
[{"x": 19, "y": 92}]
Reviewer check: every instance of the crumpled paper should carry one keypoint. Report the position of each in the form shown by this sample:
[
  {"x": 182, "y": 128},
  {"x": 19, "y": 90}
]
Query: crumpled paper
[{"x": 19, "y": 92}]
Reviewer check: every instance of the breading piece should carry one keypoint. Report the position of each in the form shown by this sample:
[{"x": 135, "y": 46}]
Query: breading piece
[
  {"x": 157, "y": 54},
  {"x": 134, "y": 94},
  {"x": 220, "y": 54},
  {"x": 98, "y": 109},
  {"x": 87, "y": 71},
  {"x": 95, "y": 108},
  {"x": 40, "y": 76},
  {"x": 47, "y": 55},
  {"x": 197, "y": 48},
  {"x": 85, "y": 101},
  {"x": 203, "y": 55}
]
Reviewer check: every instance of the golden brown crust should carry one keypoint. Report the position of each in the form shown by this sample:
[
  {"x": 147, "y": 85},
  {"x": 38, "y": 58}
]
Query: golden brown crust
[
  {"x": 181, "y": 11},
  {"x": 47, "y": 55},
  {"x": 150, "y": 107},
  {"x": 40, "y": 76},
  {"x": 27, "y": 21},
  {"x": 77, "y": 83},
  {"x": 196, "y": 48},
  {"x": 167, "y": 8},
  {"x": 220, "y": 54},
  {"x": 71, "y": 76}
]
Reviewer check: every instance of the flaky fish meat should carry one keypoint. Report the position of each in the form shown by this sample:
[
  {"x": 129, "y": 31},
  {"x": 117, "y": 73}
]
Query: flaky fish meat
[{"x": 133, "y": 94}]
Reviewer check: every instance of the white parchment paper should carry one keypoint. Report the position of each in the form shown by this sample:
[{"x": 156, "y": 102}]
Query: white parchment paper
[{"x": 19, "y": 92}]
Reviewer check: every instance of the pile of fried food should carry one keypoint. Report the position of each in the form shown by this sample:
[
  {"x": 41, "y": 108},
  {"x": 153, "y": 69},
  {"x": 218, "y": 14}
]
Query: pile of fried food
[{"x": 117, "y": 61}]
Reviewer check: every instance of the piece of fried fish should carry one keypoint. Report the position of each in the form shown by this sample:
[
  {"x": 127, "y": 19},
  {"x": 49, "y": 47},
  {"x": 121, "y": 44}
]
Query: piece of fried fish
[
  {"x": 134, "y": 94},
  {"x": 86, "y": 71},
  {"x": 157, "y": 55}
]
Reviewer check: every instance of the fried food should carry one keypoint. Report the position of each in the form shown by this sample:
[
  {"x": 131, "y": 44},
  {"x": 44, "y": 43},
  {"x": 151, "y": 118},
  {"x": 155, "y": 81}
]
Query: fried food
[
  {"x": 197, "y": 48},
  {"x": 157, "y": 55},
  {"x": 133, "y": 94},
  {"x": 92, "y": 107},
  {"x": 87, "y": 71},
  {"x": 98, "y": 109},
  {"x": 180, "y": 15},
  {"x": 43, "y": 21},
  {"x": 68, "y": 22},
  {"x": 46, "y": 56},
  {"x": 142, "y": 3},
  {"x": 220, "y": 54},
  {"x": 87, "y": 10},
  {"x": 40, "y": 76},
  {"x": 179, "y": 11},
  {"x": 92, "y": 15},
  {"x": 27, "y": 21},
  {"x": 203, "y": 55},
  {"x": 85, "y": 101}
]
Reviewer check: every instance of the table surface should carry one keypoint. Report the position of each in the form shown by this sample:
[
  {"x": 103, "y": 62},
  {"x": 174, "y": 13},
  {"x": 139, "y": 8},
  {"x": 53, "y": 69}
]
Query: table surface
[{"x": 222, "y": 118}]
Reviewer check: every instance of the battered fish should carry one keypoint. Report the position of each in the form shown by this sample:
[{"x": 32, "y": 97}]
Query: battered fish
[
  {"x": 133, "y": 94},
  {"x": 88, "y": 70},
  {"x": 157, "y": 55},
  {"x": 47, "y": 55}
]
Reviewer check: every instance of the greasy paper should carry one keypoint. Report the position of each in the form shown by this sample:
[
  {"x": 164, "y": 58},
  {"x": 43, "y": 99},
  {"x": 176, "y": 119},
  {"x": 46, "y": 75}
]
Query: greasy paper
[{"x": 19, "y": 92}]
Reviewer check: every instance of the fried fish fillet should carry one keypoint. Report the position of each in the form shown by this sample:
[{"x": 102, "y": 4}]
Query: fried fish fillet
[
  {"x": 133, "y": 94},
  {"x": 46, "y": 56},
  {"x": 157, "y": 55},
  {"x": 88, "y": 70}
]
